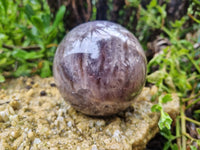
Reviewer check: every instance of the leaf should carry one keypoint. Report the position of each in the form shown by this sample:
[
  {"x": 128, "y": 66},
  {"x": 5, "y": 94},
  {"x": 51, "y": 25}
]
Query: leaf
[
  {"x": 174, "y": 147},
  {"x": 24, "y": 55},
  {"x": 153, "y": 3},
  {"x": 198, "y": 130},
  {"x": 35, "y": 1},
  {"x": 165, "y": 121},
  {"x": 198, "y": 142},
  {"x": 19, "y": 54},
  {"x": 31, "y": 36},
  {"x": 33, "y": 55},
  {"x": 3, "y": 36},
  {"x": 197, "y": 111},
  {"x": 2, "y": 78},
  {"x": 162, "y": 11},
  {"x": 167, "y": 145},
  {"x": 156, "y": 108},
  {"x": 45, "y": 71},
  {"x": 3, "y": 61},
  {"x": 29, "y": 11},
  {"x": 154, "y": 61},
  {"x": 52, "y": 36},
  {"x": 156, "y": 76},
  {"x": 37, "y": 22},
  {"x": 22, "y": 70},
  {"x": 133, "y": 3},
  {"x": 46, "y": 19},
  {"x": 27, "y": 32},
  {"x": 193, "y": 147},
  {"x": 59, "y": 16},
  {"x": 169, "y": 82},
  {"x": 5, "y": 5},
  {"x": 167, "y": 98},
  {"x": 34, "y": 31},
  {"x": 178, "y": 23},
  {"x": 167, "y": 134},
  {"x": 183, "y": 52}
]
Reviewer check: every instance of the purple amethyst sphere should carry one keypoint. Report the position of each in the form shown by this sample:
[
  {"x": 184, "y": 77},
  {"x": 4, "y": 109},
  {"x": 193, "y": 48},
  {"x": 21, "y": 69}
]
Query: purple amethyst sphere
[{"x": 99, "y": 68}]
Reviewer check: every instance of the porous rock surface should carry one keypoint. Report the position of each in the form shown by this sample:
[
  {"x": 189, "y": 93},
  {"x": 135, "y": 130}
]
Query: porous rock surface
[{"x": 34, "y": 116}]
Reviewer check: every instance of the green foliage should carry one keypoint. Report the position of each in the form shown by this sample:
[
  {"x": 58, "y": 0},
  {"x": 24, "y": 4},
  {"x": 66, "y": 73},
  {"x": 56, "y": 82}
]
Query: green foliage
[
  {"x": 28, "y": 37},
  {"x": 168, "y": 135},
  {"x": 174, "y": 64},
  {"x": 197, "y": 115},
  {"x": 2, "y": 78},
  {"x": 165, "y": 120},
  {"x": 151, "y": 18},
  {"x": 94, "y": 10},
  {"x": 198, "y": 131},
  {"x": 172, "y": 74},
  {"x": 193, "y": 147},
  {"x": 176, "y": 61},
  {"x": 134, "y": 3}
]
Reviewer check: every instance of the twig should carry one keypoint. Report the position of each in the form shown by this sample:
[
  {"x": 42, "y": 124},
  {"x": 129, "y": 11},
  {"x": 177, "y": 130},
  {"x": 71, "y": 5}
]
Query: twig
[
  {"x": 24, "y": 48},
  {"x": 89, "y": 10},
  {"x": 75, "y": 10},
  {"x": 82, "y": 9}
]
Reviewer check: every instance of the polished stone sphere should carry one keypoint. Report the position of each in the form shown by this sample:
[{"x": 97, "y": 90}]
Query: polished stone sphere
[{"x": 99, "y": 68}]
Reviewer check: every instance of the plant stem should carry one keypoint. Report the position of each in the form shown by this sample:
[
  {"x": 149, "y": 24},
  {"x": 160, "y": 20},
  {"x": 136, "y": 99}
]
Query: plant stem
[
  {"x": 178, "y": 133},
  {"x": 191, "y": 120},
  {"x": 189, "y": 137},
  {"x": 187, "y": 99},
  {"x": 195, "y": 65},
  {"x": 183, "y": 127},
  {"x": 194, "y": 102}
]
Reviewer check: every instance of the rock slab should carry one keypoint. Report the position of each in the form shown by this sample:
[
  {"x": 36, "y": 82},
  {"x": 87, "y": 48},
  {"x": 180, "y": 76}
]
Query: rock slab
[{"x": 34, "y": 116}]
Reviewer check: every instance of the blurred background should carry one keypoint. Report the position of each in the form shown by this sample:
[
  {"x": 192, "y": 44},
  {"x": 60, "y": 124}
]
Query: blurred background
[{"x": 31, "y": 29}]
